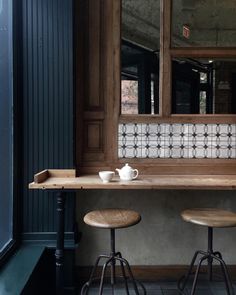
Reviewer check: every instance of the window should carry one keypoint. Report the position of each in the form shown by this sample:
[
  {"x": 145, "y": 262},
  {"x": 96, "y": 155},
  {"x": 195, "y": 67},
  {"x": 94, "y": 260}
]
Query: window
[
  {"x": 189, "y": 36},
  {"x": 6, "y": 127},
  {"x": 204, "y": 41},
  {"x": 140, "y": 31},
  {"x": 139, "y": 80},
  {"x": 117, "y": 110}
]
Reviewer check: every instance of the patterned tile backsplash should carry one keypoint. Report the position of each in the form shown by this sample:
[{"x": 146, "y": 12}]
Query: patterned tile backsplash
[{"x": 188, "y": 141}]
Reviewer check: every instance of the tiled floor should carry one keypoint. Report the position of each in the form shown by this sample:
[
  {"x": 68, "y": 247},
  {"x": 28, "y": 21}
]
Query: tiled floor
[{"x": 168, "y": 288}]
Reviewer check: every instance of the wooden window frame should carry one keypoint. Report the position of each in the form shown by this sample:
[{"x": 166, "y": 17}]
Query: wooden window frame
[{"x": 95, "y": 152}]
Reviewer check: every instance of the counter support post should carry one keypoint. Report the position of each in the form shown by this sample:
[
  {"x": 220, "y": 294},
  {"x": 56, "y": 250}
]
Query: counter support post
[{"x": 59, "y": 254}]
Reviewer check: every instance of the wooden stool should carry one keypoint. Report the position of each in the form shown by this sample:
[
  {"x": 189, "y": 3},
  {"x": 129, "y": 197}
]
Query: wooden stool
[
  {"x": 211, "y": 218},
  {"x": 112, "y": 219}
]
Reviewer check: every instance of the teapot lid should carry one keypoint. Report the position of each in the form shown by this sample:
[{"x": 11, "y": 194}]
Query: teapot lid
[{"x": 126, "y": 167}]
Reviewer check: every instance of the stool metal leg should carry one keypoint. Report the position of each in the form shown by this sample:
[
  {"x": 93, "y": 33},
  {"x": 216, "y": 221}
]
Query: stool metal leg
[
  {"x": 103, "y": 275},
  {"x": 89, "y": 282},
  {"x": 210, "y": 252},
  {"x": 213, "y": 255},
  {"x": 131, "y": 276},
  {"x": 113, "y": 261},
  {"x": 197, "y": 273},
  {"x": 225, "y": 272},
  {"x": 118, "y": 254},
  {"x": 183, "y": 281},
  {"x": 217, "y": 253}
]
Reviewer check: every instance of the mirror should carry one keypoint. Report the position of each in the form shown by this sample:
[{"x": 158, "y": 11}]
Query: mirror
[
  {"x": 203, "y": 86},
  {"x": 199, "y": 86},
  {"x": 210, "y": 23},
  {"x": 140, "y": 57}
]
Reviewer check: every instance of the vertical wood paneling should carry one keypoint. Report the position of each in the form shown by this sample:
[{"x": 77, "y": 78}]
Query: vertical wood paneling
[
  {"x": 47, "y": 104},
  {"x": 94, "y": 55}
]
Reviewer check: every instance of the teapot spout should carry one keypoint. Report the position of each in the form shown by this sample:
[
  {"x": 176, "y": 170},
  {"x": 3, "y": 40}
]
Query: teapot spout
[{"x": 118, "y": 170}]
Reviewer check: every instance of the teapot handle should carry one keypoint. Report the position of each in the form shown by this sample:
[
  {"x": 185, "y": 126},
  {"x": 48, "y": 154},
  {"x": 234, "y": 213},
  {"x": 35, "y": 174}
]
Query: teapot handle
[{"x": 135, "y": 171}]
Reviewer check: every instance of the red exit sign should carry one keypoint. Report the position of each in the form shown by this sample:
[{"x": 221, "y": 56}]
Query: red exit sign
[{"x": 186, "y": 31}]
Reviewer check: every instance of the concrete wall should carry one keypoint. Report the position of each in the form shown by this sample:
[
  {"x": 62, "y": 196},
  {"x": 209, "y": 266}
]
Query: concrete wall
[{"x": 161, "y": 238}]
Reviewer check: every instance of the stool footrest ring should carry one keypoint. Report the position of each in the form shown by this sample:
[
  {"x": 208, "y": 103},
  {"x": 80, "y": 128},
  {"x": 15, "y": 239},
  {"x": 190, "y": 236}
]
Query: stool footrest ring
[
  {"x": 210, "y": 256},
  {"x": 125, "y": 267}
]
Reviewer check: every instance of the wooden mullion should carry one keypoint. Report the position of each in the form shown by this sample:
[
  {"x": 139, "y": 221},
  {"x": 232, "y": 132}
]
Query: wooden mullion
[
  {"x": 203, "y": 52},
  {"x": 180, "y": 118},
  {"x": 116, "y": 101},
  {"x": 111, "y": 77},
  {"x": 165, "y": 58}
]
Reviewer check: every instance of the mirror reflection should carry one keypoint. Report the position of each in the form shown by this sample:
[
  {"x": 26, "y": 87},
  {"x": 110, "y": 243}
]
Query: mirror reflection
[
  {"x": 203, "y": 86},
  {"x": 140, "y": 57},
  {"x": 199, "y": 86},
  {"x": 139, "y": 80},
  {"x": 209, "y": 23}
]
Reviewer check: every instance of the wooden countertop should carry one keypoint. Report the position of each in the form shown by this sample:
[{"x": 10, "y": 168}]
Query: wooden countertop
[{"x": 65, "y": 179}]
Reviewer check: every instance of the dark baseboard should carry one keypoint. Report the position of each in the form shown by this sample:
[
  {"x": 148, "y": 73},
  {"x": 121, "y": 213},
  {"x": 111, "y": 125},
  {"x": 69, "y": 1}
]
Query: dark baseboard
[
  {"x": 152, "y": 273},
  {"x": 48, "y": 239}
]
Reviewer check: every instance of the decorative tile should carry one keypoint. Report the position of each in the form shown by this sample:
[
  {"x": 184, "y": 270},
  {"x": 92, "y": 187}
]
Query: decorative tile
[
  {"x": 176, "y": 152},
  {"x": 152, "y": 129},
  {"x": 224, "y": 153},
  {"x": 233, "y": 153},
  {"x": 136, "y": 140},
  {"x": 232, "y": 129},
  {"x": 152, "y": 153},
  {"x": 199, "y": 129}
]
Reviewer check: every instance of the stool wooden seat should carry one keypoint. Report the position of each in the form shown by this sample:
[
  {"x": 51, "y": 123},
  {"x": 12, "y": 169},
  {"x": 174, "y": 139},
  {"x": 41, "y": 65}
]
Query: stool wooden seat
[
  {"x": 210, "y": 217},
  {"x": 112, "y": 218}
]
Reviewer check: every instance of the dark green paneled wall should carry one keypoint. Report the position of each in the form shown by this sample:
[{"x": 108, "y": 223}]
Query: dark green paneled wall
[{"x": 47, "y": 104}]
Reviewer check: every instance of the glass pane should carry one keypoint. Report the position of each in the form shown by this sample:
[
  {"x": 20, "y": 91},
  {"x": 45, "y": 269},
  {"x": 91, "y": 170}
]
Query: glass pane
[
  {"x": 129, "y": 90},
  {"x": 140, "y": 57},
  {"x": 210, "y": 23},
  {"x": 203, "y": 86},
  {"x": 6, "y": 173}
]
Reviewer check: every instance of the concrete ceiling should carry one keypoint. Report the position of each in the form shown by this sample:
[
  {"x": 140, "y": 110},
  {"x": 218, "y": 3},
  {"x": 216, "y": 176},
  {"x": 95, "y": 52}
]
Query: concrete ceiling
[
  {"x": 211, "y": 22},
  {"x": 141, "y": 22}
]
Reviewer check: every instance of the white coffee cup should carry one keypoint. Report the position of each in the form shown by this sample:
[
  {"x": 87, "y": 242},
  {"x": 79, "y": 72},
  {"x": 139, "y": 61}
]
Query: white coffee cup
[{"x": 106, "y": 176}]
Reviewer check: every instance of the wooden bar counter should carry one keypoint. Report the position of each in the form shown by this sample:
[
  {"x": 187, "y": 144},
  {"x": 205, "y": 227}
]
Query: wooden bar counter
[{"x": 66, "y": 180}]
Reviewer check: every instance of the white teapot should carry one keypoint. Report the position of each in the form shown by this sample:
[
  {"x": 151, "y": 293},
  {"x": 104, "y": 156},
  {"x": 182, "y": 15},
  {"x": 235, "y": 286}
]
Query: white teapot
[{"x": 127, "y": 173}]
